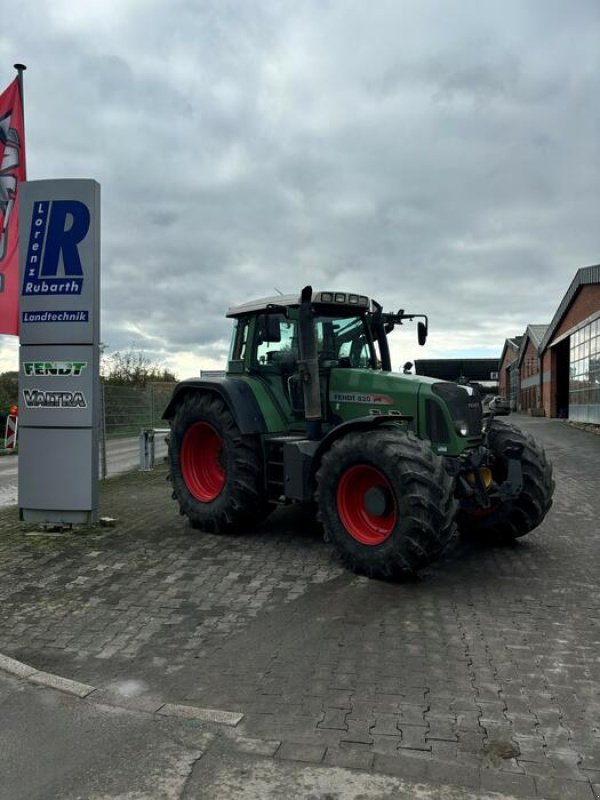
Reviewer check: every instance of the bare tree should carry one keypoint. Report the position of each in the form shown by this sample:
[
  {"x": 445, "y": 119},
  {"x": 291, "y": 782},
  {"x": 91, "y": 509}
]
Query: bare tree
[{"x": 133, "y": 368}]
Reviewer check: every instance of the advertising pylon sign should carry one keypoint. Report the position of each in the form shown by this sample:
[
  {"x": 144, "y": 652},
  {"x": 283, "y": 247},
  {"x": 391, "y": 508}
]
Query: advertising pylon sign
[{"x": 59, "y": 323}]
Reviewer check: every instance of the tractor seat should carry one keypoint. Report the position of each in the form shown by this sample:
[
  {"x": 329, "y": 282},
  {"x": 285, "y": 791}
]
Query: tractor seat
[{"x": 285, "y": 359}]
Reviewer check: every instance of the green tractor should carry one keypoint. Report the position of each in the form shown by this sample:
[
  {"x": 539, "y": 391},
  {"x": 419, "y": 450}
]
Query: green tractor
[{"x": 310, "y": 412}]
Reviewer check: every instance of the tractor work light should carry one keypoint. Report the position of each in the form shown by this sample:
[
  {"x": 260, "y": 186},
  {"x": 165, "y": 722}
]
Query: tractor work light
[{"x": 342, "y": 297}]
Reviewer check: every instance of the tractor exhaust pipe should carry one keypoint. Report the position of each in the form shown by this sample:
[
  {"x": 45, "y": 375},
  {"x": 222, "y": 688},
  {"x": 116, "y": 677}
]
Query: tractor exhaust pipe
[{"x": 309, "y": 366}]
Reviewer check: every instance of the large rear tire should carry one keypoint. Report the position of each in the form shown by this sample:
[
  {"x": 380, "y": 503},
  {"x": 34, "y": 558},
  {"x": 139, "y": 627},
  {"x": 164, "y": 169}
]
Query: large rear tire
[
  {"x": 216, "y": 472},
  {"x": 386, "y": 502},
  {"x": 512, "y": 519}
]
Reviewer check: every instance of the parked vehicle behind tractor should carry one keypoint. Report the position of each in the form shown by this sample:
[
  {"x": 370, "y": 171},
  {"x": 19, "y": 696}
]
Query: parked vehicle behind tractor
[{"x": 311, "y": 412}]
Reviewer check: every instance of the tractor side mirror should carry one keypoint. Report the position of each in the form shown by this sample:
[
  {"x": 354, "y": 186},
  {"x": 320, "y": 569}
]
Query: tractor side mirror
[
  {"x": 268, "y": 328},
  {"x": 422, "y": 332}
]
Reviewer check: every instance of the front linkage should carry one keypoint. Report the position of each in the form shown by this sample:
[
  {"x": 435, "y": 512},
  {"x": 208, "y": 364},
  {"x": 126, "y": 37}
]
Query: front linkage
[{"x": 505, "y": 486}]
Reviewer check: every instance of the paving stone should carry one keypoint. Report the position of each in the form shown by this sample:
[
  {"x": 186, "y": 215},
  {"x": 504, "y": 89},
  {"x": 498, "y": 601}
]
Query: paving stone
[
  {"x": 442, "y": 750},
  {"x": 531, "y": 748},
  {"x": 412, "y": 715},
  {"x": 565, "y": 765},
  {"x": 412, "y": 770},
  {"x": 590, "y": 760},
  {"x": 553, "y": 789},
  {"x": 506, "y": 783},
  {"x": 358, "y": 731},
  {"x": 334, "y": 718},
  {"x": 298, "y": 751},
  {"x": 414, "y": 739},
  {"x": 386, "y": 725},
  {"x": 349, "y": 758},
  {"x": 471, "y": 743},
  {"x": 453, "y": 774},
  {"x": 362, "y": 710},
  {"x": 259, "y": 747}
]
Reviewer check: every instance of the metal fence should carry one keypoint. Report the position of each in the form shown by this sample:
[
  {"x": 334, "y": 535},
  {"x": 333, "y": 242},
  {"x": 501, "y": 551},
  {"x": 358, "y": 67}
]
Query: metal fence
[{"x": 130, "y": 409}]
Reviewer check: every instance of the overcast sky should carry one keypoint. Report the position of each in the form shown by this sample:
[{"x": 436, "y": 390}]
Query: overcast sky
[{"x": 440, "y": 156}]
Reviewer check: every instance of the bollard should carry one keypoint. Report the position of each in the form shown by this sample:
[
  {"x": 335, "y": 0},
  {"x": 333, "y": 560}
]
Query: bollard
[{"x": 10, "y": 436}]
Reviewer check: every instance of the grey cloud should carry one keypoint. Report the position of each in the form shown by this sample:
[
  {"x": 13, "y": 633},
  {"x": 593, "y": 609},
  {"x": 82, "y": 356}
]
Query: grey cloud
[{"x": 439, "y": 155}]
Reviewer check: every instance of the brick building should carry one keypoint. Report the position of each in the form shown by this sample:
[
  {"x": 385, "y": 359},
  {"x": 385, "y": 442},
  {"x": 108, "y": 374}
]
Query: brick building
[
  {"x": 570, "y": 352},
  {"x": 508, "y": 372},
  {"x": 529, "y": 364}
]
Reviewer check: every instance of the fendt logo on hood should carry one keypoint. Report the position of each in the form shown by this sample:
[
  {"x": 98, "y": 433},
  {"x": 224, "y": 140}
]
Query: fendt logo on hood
[
  {"x": 358, "y": 397},
  {"x": 57, "y": 229}
]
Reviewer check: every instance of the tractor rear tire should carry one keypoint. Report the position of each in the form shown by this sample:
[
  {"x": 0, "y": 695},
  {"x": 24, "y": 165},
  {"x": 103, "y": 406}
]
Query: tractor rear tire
[
  {"x": 386, "y": 502},
  {"x": 216, "y": 472},
  {"x": 508, "y": 521}
]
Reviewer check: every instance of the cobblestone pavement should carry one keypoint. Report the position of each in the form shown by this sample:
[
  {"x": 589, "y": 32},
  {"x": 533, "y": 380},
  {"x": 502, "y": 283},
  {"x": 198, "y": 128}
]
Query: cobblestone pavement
[{"x": 483, "y": 673}]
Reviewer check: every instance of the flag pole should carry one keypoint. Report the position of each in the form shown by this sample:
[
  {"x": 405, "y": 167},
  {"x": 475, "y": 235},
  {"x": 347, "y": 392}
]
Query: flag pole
[{"x": 20, "y": 70}]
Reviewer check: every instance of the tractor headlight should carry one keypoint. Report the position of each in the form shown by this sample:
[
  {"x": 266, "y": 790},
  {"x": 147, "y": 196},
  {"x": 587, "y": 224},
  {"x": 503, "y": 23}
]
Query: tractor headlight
[{"x": 461, "y": 427}]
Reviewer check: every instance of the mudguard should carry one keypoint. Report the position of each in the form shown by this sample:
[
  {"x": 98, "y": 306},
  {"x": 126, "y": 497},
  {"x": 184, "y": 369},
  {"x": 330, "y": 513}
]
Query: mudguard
[
  {"x": 237, "y": 395},
  {"x": 357, "y": 424}
]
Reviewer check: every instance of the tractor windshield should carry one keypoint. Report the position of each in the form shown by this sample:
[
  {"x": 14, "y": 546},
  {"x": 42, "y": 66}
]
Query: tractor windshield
[
  {"x": 344, "y": 340},
  {"x": 341, "y": 341}
]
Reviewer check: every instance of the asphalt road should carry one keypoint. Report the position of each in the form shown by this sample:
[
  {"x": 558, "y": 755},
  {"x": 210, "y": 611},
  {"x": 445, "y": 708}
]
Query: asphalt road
[{"x": 121, "y": 456}]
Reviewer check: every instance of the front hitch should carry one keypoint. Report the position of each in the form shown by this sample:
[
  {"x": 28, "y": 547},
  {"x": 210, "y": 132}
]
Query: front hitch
[
  {"x": 513, "y": 485},
  {"x": 475, "y": 481}
]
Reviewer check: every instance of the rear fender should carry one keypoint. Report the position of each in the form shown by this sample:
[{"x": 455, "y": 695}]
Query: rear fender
[{"x": 236, "y": 394}]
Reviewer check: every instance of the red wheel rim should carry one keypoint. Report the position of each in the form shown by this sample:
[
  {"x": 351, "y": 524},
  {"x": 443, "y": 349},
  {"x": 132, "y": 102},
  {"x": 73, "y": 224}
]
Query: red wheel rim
[
  {"x": 200, "y": 462},
  {"x": 361, "y": 524}
]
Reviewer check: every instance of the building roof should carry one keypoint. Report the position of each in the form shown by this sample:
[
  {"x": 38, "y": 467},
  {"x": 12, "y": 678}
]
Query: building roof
[
  {"x": 535, "y": 334},
  {"x": 451, "y": 369},
  {"x": 514, "y": 343},
  {"x": 585, "y": 276}
]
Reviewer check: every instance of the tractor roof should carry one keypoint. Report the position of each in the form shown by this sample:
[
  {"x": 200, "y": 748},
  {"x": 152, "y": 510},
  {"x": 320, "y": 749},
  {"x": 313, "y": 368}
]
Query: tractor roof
[{"x": 356, "y": 303}]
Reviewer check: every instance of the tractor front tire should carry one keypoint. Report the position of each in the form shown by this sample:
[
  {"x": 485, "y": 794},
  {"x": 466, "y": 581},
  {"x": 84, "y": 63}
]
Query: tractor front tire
[
  {"x": 386, "y": 502},
  {"x": 216, "y": 472},
  {"x": 505, "y": 522}
]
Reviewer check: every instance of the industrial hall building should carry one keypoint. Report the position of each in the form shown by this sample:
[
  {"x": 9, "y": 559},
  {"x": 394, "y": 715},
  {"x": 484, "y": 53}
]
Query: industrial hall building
[{"x": 554, "y": 369}]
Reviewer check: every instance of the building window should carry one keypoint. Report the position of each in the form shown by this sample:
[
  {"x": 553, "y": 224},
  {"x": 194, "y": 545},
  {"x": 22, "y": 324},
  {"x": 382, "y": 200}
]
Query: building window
[{"x": 584, "y": 373}]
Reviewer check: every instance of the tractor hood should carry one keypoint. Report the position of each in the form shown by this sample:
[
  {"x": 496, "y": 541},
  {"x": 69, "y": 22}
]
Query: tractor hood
[
  {"x": 360, "y": 392},
  {"x": 448, "y": 415}
]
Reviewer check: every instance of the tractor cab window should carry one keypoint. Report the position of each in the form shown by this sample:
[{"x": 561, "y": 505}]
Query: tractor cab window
[
  {"x": 276, "y": 342},
  {"x": 344, "y": 342},
  {"x": 239, "y": 340}
]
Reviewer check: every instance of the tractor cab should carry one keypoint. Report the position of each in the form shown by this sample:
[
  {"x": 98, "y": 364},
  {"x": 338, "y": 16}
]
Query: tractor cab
[
  {"x": 295, "y": 345},
  {"x": 270, "y": 341}
]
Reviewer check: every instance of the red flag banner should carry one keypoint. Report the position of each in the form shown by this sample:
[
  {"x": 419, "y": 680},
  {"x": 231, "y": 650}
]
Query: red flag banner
[{"x": 12, "y": 172}]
